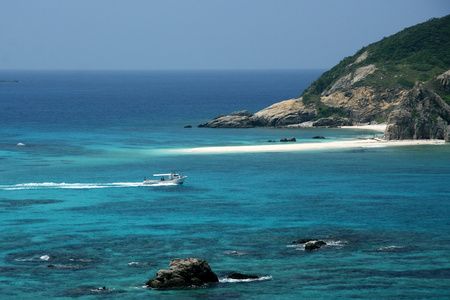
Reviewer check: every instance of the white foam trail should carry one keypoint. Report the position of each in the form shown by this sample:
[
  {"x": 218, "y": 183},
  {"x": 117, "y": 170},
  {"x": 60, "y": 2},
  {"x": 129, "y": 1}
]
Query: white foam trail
[
  {"x": 229, "y": 280},
  {"x": 390, "y": 248},
  {"x": 63, "y": 185}
]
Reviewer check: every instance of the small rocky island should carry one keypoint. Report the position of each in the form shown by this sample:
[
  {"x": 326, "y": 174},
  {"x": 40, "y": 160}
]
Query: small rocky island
[
  {"x": 402, "y": 80},
  {"x": 183, "y": 273}
]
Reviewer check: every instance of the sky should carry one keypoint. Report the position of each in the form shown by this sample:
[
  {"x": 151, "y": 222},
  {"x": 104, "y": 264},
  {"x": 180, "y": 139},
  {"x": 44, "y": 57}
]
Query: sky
[{"x": 198, "y": 34}]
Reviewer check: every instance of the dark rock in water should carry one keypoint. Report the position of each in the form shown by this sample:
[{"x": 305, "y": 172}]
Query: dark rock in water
[
  {"x": 318, "y": 137},
  {"x": 292, "y": 139},
  {"x": 303, "y": 241},
  {"x": 188, "y": 126},
  {"x": 237, "y": 275},
  {"x": 271, "y": 141},
  {"x": 183, "y": 273},
  {"x": 313, "y": 245}
]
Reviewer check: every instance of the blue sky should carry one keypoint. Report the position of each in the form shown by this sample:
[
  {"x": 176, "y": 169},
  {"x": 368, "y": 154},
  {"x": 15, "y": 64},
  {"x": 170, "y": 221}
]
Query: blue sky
[{"x": 198, "y": 34}]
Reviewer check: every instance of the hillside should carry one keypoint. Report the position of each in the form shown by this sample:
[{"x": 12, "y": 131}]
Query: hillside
[{"x": 408, "y": 72}]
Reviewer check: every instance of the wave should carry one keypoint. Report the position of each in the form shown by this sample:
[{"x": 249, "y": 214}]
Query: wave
[
  {"x": 229, "y": 280},
  {"x": 390, "y": 248},
  {"x": 80, "y": 186}
]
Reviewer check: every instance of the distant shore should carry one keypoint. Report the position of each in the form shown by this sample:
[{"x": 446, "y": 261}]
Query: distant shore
[{"x": 307, "y": 146}]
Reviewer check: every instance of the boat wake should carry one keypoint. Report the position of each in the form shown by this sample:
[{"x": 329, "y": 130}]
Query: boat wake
[
  {"x": 79, "y": 186},
  {"x": 228, "y": 280}
]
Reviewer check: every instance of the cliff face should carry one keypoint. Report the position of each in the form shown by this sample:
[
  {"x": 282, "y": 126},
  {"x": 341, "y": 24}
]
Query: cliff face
[
  {"x": 403, "y": 80},
  {"x": 421, "y": 114}
]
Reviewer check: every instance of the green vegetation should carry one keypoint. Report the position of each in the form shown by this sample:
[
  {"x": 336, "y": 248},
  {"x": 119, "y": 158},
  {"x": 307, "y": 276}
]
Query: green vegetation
[
  {"x": 415, "y": 54},
  {"x": 311, "y": 98},
  {"x": 325, "y": 112}
]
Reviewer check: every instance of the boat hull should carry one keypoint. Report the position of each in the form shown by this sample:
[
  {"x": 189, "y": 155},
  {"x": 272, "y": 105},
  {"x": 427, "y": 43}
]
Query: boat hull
[{"x": 166, "y": 181}]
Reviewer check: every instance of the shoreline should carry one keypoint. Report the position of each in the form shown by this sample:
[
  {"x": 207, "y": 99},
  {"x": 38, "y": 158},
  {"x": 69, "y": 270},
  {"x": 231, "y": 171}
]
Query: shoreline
[
  {"x": 374, "y": 127},
  {"x": 307, "y": 146}
]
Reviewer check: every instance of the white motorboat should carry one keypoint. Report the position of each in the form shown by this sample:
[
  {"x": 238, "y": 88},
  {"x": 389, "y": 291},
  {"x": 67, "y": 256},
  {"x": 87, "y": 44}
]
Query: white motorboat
[{"x": 169, "y": 178}]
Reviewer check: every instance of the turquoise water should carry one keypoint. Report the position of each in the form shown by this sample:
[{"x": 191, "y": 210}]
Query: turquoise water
[{"x": 71, "y": 198}]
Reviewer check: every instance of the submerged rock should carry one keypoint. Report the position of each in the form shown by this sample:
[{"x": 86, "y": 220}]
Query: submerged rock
[
  {"x": 314, "y": 245},
  {"x": 240, "y": 276},
  {"x": 188, "y": 272},
  {"x": 292, "y": 139}
]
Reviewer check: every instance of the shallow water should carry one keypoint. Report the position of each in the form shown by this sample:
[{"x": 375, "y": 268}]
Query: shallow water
[{"x": 71, "y": 197}]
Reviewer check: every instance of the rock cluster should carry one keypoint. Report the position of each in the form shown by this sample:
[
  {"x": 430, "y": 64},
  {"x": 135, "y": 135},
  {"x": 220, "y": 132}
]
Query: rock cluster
[
  {"x": 188, "y": 272},
  {"x": 292, "y": 139}
]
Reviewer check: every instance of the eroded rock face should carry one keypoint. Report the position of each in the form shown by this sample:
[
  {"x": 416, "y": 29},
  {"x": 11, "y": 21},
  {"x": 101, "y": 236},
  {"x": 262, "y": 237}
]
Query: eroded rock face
[
  {"x": 444, "y": 80},
  {"x": 279, "y": 114},
  {"x": 332, "y": 122},
  {"x": 188, "y": 272},
  {"x": 348, "y": 80},
  {"x": 364, "y": 104},
  {"x": 237, "y": 119},
  {"x": 421, "y": 114}
]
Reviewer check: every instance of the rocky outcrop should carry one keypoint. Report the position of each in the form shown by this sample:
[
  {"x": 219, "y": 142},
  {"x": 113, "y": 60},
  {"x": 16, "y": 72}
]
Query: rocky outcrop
[
  {"x": 444, "y": 80},
  {"x": 351, "y": 78},
  {"x": 280, "y": 114},
  {"x": 360, "y": 104},
  {"x": 421, "y": 114},
  {"x": 284, "y": 113},
  {"x": 237, "y": 119},
  {"x": 314, "y": 245},
  {"x": 365, "y": 104},
  {"x": 447, "y": 134},
  {"x": 189, "y": 272},
  {"x": 331, "y": 122}
]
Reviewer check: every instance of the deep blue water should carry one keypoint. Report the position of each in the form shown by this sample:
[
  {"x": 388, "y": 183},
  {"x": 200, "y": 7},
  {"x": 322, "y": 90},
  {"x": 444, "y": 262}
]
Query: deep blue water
[{"x": 71, "y": 197}]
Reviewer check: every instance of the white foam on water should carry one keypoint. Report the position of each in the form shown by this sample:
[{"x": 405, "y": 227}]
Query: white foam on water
[
  {"x": 80, "y": 186},
  {"x": 336, "y": 243},
  {"x": 229, "y": 280},
  {"x": 390, "y": 248},
  {"x": 45, "y": 257},
  {"x": 238, "y": 253}
]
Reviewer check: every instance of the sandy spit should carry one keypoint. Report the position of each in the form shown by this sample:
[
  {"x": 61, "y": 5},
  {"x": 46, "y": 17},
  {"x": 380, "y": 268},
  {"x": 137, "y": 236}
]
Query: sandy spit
[{"x": 307, "y": 146}]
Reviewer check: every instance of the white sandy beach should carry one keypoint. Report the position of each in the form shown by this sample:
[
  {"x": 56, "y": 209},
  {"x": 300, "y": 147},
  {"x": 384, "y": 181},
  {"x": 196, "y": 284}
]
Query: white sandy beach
[
  {"x": 377, "y": 127},
  {"x": 308, "y": 146}
]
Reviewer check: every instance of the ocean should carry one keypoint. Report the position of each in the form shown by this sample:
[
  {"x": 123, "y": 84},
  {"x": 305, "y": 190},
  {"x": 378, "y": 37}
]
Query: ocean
[{"x": 75, "y": 147}]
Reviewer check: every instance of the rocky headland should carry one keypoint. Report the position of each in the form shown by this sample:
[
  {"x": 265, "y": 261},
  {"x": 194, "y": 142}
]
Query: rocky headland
[{"x": 402, "y": 80}]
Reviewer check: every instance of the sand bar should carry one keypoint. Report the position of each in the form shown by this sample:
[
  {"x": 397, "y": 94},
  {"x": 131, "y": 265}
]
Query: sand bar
[
  {"x": 377, "y": 127},
  {"x": 307, "y": 146}
]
